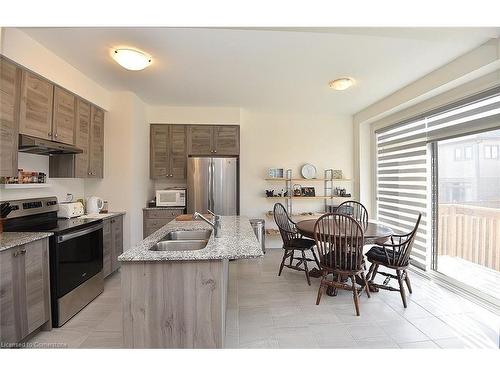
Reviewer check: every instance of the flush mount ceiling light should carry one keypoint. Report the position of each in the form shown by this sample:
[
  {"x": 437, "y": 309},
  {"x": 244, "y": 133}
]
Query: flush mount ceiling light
[
  {"x": 131, "y": 59},
  {"x": 341, "y": 84}
]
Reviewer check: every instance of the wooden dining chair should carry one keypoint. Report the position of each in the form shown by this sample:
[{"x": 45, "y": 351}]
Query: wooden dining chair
[
  {"x": 355, "y": 210},
  {"x": 393, "y": 254},
  {"x": 292, "y": 242},
  {"x": 339, "y": 240}
]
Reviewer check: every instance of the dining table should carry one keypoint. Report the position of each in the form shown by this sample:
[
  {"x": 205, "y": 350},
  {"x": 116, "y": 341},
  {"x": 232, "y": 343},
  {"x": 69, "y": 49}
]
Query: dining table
[{"x": 374, "y": 232}]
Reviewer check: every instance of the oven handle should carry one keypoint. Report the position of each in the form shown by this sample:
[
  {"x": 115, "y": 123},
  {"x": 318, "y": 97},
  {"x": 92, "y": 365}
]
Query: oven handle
[{"x": 69, "y": 236}]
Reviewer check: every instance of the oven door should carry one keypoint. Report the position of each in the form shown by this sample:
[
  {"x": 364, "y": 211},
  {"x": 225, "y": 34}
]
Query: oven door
[{"x": 78, "y": 257}]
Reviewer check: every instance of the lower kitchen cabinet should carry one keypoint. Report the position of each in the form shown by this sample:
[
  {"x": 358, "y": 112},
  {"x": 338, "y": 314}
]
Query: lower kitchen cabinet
[
  {"x": 154, "y": 219},
  {"x": 24, "y": 291},
  {"x": 112, "y": 237}
]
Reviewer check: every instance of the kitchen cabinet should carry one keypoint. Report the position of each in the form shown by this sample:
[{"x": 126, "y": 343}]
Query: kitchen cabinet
[
  {"x": 64, "y": 113},
  {"x": 154, "y": 219},
  {"x": 227, "y": 140},
  {"x": 107, "y": 244},
  {"x": 89, "y": 137},
  {"x": 36, "y": 106},
  {"x": 10, "y": 87},
  {"x": 82, "y": 138},
  {"x": 168, "y": 151},
  {"x": 96, "y": 147},
  {"x": 200, "y": 140},
  {"x": 117, "y": 241},
  {"x": 24, "y": 290},
  {"x": 112, "y": 237},
  {"x": 208, "y": 139}
]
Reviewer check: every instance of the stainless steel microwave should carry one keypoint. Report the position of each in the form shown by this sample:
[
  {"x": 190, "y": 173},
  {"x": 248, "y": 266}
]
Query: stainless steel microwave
[{"x": 171, "y": 198}]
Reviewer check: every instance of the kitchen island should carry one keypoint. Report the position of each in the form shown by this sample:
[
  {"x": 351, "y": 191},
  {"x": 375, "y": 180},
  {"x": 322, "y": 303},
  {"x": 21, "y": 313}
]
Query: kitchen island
[{"x": 177, "y": 298}]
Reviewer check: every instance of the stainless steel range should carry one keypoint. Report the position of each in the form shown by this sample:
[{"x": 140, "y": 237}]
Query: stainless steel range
[{"x": 75, "y": 250}]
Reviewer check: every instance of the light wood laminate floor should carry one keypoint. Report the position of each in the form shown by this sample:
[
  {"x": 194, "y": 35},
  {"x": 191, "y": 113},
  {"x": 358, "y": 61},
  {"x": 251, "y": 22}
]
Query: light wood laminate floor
[{"x": 267, "y": 311}]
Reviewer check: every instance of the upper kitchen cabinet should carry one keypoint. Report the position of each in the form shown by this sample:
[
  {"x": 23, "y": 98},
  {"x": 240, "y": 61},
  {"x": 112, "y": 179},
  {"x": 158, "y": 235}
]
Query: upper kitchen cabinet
[
  {"x": 82, "y": 138},
  {"x": 96, "y": 147},
  {"x": 177, "y": 157},
  {"x": 168, "y": 151},
  {"x": 227, "y": 140},
  {"x": 207, "y": 139},
  {"x": 159, "y": 148},
  {"x": 10, "y": 86},
  {"x": 89, "y": 136},
  {"x": 36, "y": 106},
  {"x": 200, "y": 140},
  {"x": 63, "y": 128}
]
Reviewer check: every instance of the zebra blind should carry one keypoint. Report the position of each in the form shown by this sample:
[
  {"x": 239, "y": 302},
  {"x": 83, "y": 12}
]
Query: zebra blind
[
  {"x": 402, "y": 182},
  {"x": 403, "y": 163}
]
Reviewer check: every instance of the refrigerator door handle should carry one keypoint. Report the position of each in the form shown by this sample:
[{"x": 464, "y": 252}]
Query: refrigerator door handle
[
  {"x": 212, "y": 187},
  {"x": 209, "y": 197}
]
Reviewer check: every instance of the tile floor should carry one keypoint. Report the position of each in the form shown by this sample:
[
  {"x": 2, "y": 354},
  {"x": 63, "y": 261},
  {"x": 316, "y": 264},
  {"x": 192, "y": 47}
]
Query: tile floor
[{"x": 267, "y": 311}]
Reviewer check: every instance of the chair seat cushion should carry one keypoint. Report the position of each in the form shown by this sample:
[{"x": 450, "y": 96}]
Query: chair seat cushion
[
  {"x": 377, "y": 254},
  {"x": 301, "y": 243}
]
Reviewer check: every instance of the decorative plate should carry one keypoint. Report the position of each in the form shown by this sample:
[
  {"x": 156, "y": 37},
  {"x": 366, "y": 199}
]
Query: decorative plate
[{"x": 308, "y": 171}]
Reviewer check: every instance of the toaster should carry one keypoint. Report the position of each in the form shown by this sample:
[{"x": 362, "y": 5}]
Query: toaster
[{"x": 70, "y": 209}]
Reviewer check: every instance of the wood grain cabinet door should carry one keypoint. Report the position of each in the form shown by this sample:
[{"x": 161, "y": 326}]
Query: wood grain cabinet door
[
  {"x": 107, "y": 246},
  {"x": 10, "y": 326},
  {"x": 36, "y": 280},
  {"x": 36, "y": 106},
  {"x": 96, "y": 149},
  {"x": 159, "y": 166},
  {"x": 227, "y": 140},
  {"x": 200, "y": 140},
  {"x": 117, "y": 235},
  {"x": 64, "y": 114},
  {"x": 177, "y": 157},
  {"x": 82, "y": 138},
  {"x": 10, "y": 95}
]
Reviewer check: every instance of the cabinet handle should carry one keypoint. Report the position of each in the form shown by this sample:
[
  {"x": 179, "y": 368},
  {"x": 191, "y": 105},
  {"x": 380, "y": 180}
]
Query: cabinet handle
[
  {"x": 49, "y": 134},
  {"x": 215, "y": 151},
  {"x": 55, "y": 135},
  {"x": 23, "y": 251}
]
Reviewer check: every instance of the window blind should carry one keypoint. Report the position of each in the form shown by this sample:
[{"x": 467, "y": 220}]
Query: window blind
[
  {"x": 402, "y": 163},
  {"x": 402, "y": 182}
]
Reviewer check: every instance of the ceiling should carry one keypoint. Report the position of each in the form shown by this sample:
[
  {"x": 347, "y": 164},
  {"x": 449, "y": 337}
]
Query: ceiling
[{"x": 270, "y": 69}]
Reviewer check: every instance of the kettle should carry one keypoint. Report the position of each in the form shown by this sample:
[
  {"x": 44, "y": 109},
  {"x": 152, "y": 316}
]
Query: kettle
[{"x": 94, "y": 205}]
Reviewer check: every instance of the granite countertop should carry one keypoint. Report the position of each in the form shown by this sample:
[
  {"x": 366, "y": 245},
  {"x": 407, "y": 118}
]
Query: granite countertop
[
  {"x": 162, "y": 208},
  {"x": 102, "y": 216},
  {"x": 237, "y": 241},
  {"x": 11, "y": 239}
]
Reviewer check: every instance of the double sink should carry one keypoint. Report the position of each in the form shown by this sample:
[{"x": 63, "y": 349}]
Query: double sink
[{"x": 183, "y": 240}]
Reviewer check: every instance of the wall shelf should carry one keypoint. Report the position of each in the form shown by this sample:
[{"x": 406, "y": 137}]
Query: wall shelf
[
  {"x": 328, "y": 189},
  {"x": 307, "y": 179},
  {"x": 24, "y": 186}
]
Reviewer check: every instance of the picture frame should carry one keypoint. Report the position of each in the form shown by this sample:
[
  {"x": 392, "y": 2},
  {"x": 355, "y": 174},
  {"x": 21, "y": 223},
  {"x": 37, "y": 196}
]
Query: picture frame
[
  {"x": 337, "y": 174},
  {"x": 278, "y": 173},
  {"x": 308, "y": 191}
]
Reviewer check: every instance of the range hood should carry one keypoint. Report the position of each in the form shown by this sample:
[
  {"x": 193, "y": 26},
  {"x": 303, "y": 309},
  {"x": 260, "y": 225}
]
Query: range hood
[{"x": 34, "y": 145}]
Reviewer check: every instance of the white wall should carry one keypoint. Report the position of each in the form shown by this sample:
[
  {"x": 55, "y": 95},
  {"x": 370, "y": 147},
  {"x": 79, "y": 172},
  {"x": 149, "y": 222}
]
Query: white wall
[{"x": 126, "y": 184}]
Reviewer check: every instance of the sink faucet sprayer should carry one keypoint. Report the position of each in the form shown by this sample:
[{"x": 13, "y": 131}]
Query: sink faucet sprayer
[{"x": 215, "y": 224}]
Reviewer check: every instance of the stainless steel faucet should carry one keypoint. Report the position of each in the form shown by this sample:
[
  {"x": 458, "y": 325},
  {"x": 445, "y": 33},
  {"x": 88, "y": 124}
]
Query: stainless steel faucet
[{"x": 215, "y": 224}]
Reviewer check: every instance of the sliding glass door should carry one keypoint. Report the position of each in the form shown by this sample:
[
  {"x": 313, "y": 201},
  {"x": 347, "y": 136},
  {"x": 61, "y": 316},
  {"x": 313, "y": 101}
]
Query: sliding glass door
[{"x": 466, "y": 203}]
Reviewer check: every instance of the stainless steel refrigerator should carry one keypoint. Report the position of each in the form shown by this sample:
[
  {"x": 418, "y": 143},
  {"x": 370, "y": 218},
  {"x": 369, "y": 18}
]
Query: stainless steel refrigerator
[{"x": 213, "y": 184}]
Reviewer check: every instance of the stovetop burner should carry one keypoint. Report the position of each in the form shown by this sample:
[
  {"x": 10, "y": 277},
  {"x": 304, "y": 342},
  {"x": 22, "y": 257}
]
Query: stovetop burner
[{"x": 40, "y": 215}]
